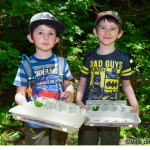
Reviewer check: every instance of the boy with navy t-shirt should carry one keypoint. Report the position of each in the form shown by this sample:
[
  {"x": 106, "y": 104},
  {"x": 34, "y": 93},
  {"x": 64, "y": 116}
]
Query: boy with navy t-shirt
[
  {"x": 44, "y": 32},
  {"x": 100, "y": 77}
]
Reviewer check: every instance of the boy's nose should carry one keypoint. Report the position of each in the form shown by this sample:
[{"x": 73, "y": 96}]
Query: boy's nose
[
  {"x": 46, "y": 36},
  {"x": 107, "y": 31}
]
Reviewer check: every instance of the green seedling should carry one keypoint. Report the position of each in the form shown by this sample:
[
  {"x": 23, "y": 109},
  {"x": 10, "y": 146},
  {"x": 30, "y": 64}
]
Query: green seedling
[
  {"x": 38, "y": 104},
  {"x": 95, "y": 109}
]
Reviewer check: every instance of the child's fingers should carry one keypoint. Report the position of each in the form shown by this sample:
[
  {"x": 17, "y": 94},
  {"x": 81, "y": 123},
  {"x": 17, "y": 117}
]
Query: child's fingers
[
  {"x": 19, "y": 103},
  {"x": 63, "y": 94},
  {"x": 136, "y": 110},
  {"x": 81, "y": 104},
  {"x": 69, "y": 99},
  {"x": 68, "y": 96}
]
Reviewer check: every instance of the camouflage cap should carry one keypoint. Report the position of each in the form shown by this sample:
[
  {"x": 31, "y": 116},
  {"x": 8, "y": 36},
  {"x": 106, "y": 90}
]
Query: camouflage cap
[
  {"x": 113, "y": 14},
  {"x": 48, "y": 19}
]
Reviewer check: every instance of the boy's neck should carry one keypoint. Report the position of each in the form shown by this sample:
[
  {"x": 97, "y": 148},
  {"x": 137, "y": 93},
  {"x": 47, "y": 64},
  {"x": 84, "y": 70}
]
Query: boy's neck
[
  {"x": 105, "y": 50},
  {"x": 42, "y": 54}
]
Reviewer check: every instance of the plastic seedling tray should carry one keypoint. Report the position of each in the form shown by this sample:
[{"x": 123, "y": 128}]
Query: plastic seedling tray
[
  {"x": 59, "y": 115},
  {"x": 111, "y": 113}
]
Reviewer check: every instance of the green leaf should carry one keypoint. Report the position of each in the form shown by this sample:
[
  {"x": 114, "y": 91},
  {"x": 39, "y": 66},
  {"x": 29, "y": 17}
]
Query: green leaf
[
  {"x": 2, "y": 115},
  {"x": 9, "y": 65},
  {"x": 95, "y": 109},
  {"x": 38, "y": 104},
  {"x": 78, "y": 30},
  {"x": 15, "y": 124},
  {"x": 1, "y": 144},
  {"x": 71, "y": 38},
  {"x": 148, "y": 52},
  {"x": 147, "y": 116},
  {"x": 63, "y": 7},
  {"x": 5, "y": 121},
  {"x": 18, "y": 11},
  {"x": 9, "y": 144},
  {"x": 15, "y": 135},
  {"x": 148, "y": 107}
]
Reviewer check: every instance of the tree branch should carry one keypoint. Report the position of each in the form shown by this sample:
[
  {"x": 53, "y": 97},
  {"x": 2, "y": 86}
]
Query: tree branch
[{"x": 137, "y": 14}]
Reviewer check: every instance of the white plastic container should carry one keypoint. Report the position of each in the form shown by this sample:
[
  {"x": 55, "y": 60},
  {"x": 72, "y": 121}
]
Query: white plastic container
[
  {"x": 111, "y": 113},
  {"x": 59, "y": 115}
]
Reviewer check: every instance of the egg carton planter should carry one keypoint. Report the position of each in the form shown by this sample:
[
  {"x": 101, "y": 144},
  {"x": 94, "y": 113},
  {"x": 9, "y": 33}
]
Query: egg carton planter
[
  {"x": 111, "y": 113},
  {"x": 59, "y": 115}
]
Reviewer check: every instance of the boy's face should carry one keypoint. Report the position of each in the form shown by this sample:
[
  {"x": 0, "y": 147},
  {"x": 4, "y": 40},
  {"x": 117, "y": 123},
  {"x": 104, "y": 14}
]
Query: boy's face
[
  {"x": 107, "y": 32},
  {"x": 44, "y": 38}
]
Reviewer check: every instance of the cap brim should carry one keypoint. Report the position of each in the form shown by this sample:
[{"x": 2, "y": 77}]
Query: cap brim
[
  {"x": 103, "y": 17},
  {"x": 57, "y": 25}
]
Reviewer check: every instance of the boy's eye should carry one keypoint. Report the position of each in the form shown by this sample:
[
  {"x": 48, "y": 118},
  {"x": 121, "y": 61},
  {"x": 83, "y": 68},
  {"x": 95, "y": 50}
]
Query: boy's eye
[
  {"x": 40, "y": 33},
  {"x": 112, "y": 28},
  {"x": 51, "y": 33},
  {"x": 102, "y": 27}
]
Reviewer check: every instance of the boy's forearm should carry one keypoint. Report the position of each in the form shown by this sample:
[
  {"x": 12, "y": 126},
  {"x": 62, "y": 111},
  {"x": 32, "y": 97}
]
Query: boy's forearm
[
  {"x": 132, "y": 99},
  {"x": 68, "y": 86},
  {"x": 79, "y": 96},
  {"x": 130, "y": 95},
  {"x": 70, "y": 89},
  {"x": 81, "y": 89},
  {"x": 80, "y": 93}
]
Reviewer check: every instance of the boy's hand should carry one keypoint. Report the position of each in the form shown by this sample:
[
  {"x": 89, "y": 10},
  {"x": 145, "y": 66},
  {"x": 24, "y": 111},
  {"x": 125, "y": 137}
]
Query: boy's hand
[
  {"x": 19, "y": 103},
  {"x": 135, "y": 109},
  {"x": 79, "y": 103},
  {"x": 20, "y": 99},
  {"x": 68, "y": 96}
]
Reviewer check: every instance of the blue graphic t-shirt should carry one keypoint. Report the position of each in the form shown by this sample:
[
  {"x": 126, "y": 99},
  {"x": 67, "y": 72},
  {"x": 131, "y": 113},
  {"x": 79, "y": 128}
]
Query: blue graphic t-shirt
[{"x": 46, "y": 75}]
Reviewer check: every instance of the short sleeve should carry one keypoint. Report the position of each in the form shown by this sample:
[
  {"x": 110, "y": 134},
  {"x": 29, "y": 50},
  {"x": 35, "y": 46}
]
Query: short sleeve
[
  {"x": 85, "y": 66},
  {"x": 20, "y": 79},
  {"x": 68, "y": 75},
  {"x": 126, "y": 72}
]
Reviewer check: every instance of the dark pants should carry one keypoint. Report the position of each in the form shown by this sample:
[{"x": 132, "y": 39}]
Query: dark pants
[
  {"x": 88, "y": 135},
  {"x": 44, "y": 136}
]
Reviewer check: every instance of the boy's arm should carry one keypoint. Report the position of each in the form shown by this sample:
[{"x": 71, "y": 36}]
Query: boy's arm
[
  {"x": 20, "y": 95},
  {"x": 128, "y": 90},
  {"x": 80, "y": 91},
  {"x": 68, "y": 91}
]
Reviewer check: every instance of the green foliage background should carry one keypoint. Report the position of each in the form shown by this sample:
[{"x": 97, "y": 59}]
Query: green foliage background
[{"x": 77, "y": 40}]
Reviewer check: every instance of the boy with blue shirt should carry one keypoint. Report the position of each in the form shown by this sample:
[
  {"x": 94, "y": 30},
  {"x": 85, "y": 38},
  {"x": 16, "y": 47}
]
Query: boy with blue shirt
[
  {"x": 100, "y": 77},
  {"x": 44, "y": 32}
]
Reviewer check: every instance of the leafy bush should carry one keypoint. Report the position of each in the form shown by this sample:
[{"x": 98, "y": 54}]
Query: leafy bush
[
  {"x": 6, "y": 122},
  {"x": 9, "y": 62}
]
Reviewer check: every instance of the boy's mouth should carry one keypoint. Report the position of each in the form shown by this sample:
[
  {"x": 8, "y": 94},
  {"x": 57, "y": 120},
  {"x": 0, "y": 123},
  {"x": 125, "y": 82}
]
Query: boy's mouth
[
  {"x": 45, "y": 44},
  {"x": 107, "y": 38}
]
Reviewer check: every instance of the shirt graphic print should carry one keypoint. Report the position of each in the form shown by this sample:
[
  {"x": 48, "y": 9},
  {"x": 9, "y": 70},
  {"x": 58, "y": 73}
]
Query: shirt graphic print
[
  {"x": 47, "y": 82},
  {"x": 103, "y": 73},
  {"x": 104, "y": 80}
]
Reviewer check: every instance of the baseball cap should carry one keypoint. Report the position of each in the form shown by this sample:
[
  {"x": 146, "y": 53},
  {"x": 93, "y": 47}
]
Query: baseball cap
[
  {"x": 48, "y": 19},
  {"x": 113, "y": 14}
]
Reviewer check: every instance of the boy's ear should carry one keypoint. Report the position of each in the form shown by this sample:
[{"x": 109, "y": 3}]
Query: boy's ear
[
  {"x": 95, "y": 32},
  {"x": 29, "y": 38},
  {"x": 57, "y": 40},
  {"x": 120, "y": 34}
]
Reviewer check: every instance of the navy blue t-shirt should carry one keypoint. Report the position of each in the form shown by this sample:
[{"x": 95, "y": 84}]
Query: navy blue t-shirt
[{"x": 103, "y": 73}]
